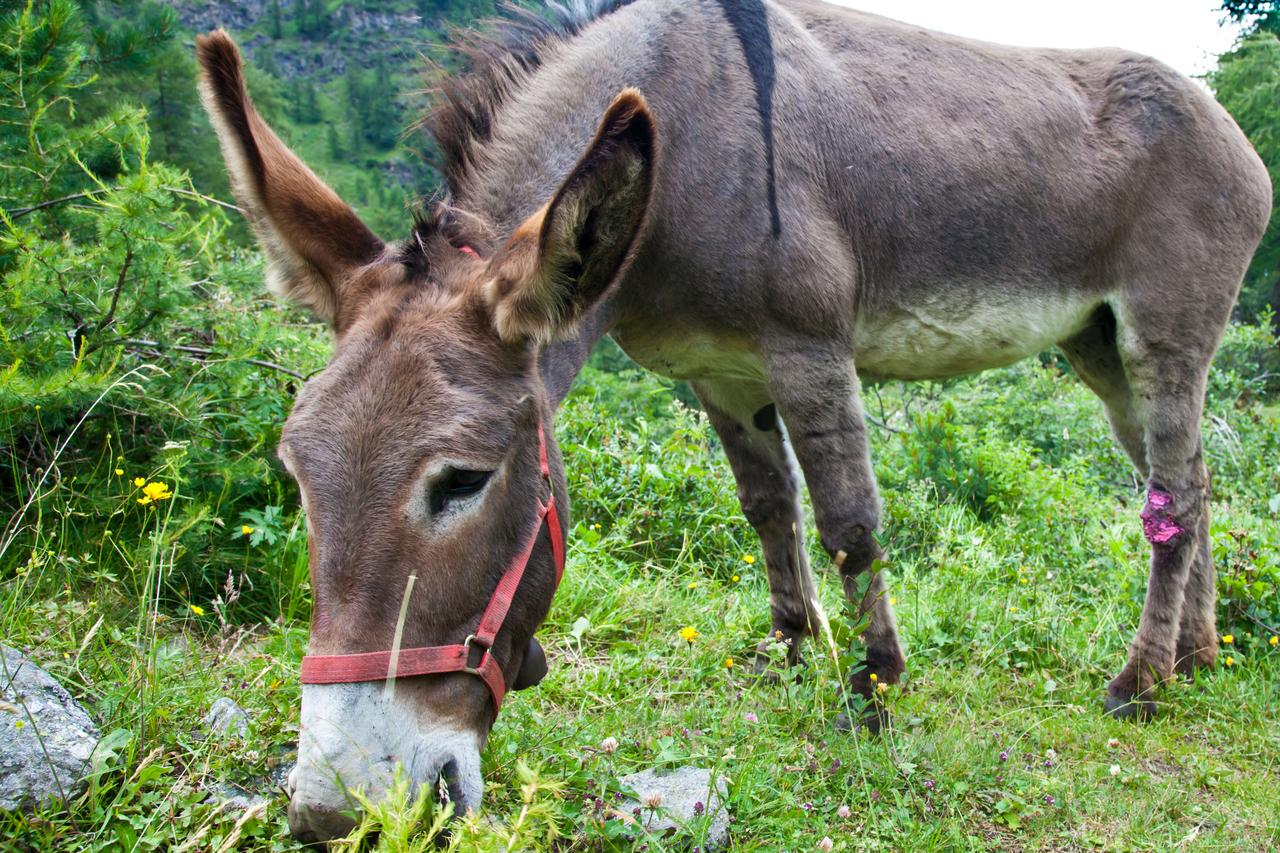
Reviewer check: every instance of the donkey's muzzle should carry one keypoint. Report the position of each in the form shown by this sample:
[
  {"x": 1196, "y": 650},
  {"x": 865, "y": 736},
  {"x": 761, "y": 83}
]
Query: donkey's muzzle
[
  {"x": 317, "y": 824},
  {"x": 534, "y": 667}
]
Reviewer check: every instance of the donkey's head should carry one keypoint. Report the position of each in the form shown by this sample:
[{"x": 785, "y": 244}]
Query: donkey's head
[{"x": 416, "y": 450}]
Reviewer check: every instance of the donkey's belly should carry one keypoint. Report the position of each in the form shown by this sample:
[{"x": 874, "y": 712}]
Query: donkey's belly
[
  {"x": 691, "y": 355},
  {"x": 952, "y": 338}
]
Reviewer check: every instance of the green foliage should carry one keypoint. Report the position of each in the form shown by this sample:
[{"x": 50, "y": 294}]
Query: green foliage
[
  {"x": 1247, "y": 366},
  {"x": 1248, "y": 561},
  {"x": 1247, "y": 83},
  {"x": 643, "y": 511},
  {"x": 304, "y": 102},
  {"x": 406, "y": 821},
  {"x": 138, "y": 55},
  {"x": 276, "y": 20},
  {"x": 314, "y": 18},
  {"x": 1259, "y": 15},
  {"x": 375, "y": 117},
  {"x": 938, "y": 457},
  {"x": 128, "y": 339}
]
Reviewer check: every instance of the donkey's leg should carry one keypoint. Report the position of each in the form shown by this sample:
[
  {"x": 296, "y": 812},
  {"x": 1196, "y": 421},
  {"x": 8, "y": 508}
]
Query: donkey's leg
[
  {"x": 816, "y": 390},
  {"x": 1198, "y": 628},
  {"x": 1095, "y": 356},
  {"x": 1166, "y": 358},
  {"x": 753, "y": 442},
  {"x": 1096, "y": 359}
]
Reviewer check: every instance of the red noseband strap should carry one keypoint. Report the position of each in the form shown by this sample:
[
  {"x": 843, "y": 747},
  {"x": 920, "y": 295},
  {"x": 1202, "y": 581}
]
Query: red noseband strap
[{"x": 473, "y": 655}]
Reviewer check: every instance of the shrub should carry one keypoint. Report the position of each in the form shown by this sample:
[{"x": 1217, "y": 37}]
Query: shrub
[{"x": 129, "y": 335}]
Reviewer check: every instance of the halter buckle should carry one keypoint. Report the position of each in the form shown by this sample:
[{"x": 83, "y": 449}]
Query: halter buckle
[{"x": 466, "y": 660}]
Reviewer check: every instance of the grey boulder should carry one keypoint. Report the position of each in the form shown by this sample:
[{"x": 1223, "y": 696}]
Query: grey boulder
[
  {"x": 690, "y": 804},
  {"x": 227, "y": 719},
  {"x": 46, "y": 737}
]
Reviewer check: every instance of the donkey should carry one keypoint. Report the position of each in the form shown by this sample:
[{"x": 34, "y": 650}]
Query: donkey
[{"x": 769, "y": 200}]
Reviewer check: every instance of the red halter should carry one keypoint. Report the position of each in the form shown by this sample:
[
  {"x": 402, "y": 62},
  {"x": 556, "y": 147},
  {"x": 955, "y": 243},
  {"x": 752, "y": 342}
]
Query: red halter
[{"x": 432, "y": 660}]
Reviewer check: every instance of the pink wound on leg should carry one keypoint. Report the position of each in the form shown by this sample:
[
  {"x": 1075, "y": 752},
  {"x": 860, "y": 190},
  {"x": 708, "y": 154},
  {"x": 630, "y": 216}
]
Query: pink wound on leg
[{"x": 1158, "y": 528}]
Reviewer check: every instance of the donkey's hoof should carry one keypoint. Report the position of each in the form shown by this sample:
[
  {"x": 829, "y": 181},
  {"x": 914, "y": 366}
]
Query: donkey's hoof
[
  {"x": 874, "y": 719},
  {"x": 1189, "y": 662},
  {"x": 772, "y": 670},
  {"x": 1129, "y": 708},
  {"x": 765, "y": 668}
]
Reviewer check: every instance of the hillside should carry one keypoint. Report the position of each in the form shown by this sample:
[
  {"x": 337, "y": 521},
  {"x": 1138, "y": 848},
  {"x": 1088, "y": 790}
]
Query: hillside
[{"x": 341, "y": 82}]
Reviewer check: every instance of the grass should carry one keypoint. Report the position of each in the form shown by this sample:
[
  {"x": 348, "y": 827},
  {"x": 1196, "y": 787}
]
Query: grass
[{"x": 1017, "y": 571}]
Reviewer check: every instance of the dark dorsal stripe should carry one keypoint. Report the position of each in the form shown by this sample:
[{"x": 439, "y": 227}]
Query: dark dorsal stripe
[{"x": 750, "y": 23}]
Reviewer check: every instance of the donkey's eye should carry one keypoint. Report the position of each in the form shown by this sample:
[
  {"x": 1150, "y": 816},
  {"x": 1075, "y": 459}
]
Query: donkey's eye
[{"x": 455, "y": 484}]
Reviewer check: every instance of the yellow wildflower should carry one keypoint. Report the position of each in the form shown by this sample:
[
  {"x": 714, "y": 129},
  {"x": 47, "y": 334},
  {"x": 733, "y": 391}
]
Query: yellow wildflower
[
  {"x": 1228, "y": 639},
  {"x": 688, "y": 633},
  {"x": 197, "y": 609},
  {"x": 139, "y": 481},
  {"x": 245, "y": 530},
  {"x": 693, "y": 585},
  {"x": 144, "y": 501},
  {"x": 157, "y": 491},
  {"x": 119, "y": 472},
  {"x": 736, "y": 579},
  {"x": 17, "y": 724},
  {"x": 749, "y": 559},
  {"x": 1230, "y": 661},
  {"x": 874, "y": 678},
  {"x": 728, "y": 663},
  {"x": 1274, "y": 640}
]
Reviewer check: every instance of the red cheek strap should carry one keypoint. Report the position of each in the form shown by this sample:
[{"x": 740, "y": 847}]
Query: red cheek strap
[{"x": 472, "y": 656}]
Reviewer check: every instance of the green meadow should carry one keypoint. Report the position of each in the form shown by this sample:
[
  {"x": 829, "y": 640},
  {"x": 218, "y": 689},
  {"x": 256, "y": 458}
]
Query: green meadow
[{"x": 153, "y": 554}]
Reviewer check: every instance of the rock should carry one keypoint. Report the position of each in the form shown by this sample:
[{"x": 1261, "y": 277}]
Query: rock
[
  {"x": 233, "y": 798},
  {"x": 46, "y": 737},
  {"x": 278, "y": 776},
  {"x": 681, "y": 791},
  {"x": 257, "y": 793},
  {"x": 204, "y": 15},
  {"x": 225, "y": 718}
]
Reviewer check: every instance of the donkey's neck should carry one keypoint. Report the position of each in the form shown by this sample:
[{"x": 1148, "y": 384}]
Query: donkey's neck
[
  {"x": 545, "y": 125},
  {"x": 560, "y": 362},
  {"x": 549, "y": 118}
]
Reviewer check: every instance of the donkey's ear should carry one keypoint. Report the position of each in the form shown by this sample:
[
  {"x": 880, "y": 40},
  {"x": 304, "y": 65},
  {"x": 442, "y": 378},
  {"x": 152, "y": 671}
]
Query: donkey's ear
[
  {"x": 562, "y": 259},
  {"x": 312, "y": 240}
]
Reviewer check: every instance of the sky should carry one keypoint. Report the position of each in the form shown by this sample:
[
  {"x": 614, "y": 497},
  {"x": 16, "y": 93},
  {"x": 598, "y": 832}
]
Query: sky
[{"x": 1184, "y": 33}]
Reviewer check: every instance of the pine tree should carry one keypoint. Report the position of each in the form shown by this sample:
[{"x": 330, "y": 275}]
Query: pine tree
[{"x": 1257, "y": 15}]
